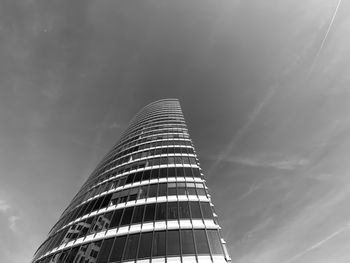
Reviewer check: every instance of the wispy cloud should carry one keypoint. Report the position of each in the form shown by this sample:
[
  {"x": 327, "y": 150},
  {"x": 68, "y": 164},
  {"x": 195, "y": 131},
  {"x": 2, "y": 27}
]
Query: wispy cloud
[
  {"x": 318, "y": 244},
  {"x": 4, "y": 206},
  {"x": 13, "y": 219},
  {"x": 238, "y": 135},
  {"x": 290, "y": 163}
]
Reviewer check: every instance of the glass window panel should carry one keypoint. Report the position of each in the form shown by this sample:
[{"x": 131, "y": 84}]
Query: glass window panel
[
  {"x": 127, "y": 216},
  {"x": 118, "y": 248},
  {"x": 196, "y": 172},
  {"x": 145, "y": 245},
  {"x": 138, "y": 214},
  {"x": 116, "y": 218},
  {"x": 138, "y": 177},
  {"x": 171, "y": 172},
  {"x": 161, "y": 211},
  {"x": 201, "y": 241},
  {"x": 162, "y": 172},
  {"x": 159, "y": 244},
  {"x": 187, "y": 242},
  {"x": 201, "y": 191},
  {"x": 173, "y": 243},
  {"x": 184, "y": 210},
  {"x": 104, "y": 251},
  {"x": 72, "y": 254},
  {"x": 152, "y": 191},
  {"x": 131, "y": 247},
  {"x": 180, "y": 172},
  {"x": 143, "y": 192},
  {"x": 162, "y": 189},
  {"x": 154, "y": 173},
  {"x": 149, "y": 212},
  {"x": 146, "y": 175},
  {"x": 172, "y": 211},
  {"x": 195, "y": 210},
  {"x": 214, "y": 241},
  {"x": 206, "y": 210},
  {"x": 188, "y": 172}
]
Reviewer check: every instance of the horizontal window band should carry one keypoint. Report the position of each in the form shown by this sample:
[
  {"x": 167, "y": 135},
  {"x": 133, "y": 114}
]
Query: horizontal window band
[{"x": 137, "y": 228}]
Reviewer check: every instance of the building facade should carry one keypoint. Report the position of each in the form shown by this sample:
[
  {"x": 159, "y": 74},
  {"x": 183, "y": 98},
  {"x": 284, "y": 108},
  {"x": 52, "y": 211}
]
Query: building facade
[{"x": 146, "y": 201}]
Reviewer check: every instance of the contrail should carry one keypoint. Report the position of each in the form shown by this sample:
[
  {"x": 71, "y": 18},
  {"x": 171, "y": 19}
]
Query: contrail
[
  {"x": 244, "y": 128},
  {"x": 325, "y": 37},
  {"x": 318, "y": 244}
]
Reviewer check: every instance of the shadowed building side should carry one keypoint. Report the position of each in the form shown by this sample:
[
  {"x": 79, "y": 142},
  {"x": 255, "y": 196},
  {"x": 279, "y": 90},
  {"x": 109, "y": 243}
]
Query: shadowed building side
[{"x": 146, "y": 201}]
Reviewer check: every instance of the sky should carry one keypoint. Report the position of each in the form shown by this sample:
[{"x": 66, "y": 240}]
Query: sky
[{"x": 264, "y": 88}]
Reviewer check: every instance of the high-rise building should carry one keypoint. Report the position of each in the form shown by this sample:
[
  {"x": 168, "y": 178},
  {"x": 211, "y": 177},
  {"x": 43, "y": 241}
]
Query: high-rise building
[{"x": 146, "y": 201}]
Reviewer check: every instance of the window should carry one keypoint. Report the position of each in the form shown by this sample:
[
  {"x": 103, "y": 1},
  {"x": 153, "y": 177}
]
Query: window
[
  {"x": 105, "y": 250},
  {"x": 162, "y": 189},
  {"x": 195, "y": 210},
  {"x": 184, "y": 210},
  {"x": 116, "y": 218},
  {"x": 143, "y": 191},
  {"x": 138, "y": 214},
  {"x": 187, "y": 242},
  {"x": 201, "y": 241},
  {"x": 131, "y": 247},
  {"x": 163, "y": 172},
  {"x": 159, "y": 244},
  {"x": 172, "y": 211},
  {"x": 152, "y": 191},
  {"x": 145, "y": 245},
  {"x": 206, "y": 210},
  {"x": 161, "y": 211},
  {"x": 214, "y": 241},
  {"x": 173, "y": 243},
  {"x": 118, "y": 248},
  {"x": 149, "y": 212},
  {"x": 127, "y": 216}
]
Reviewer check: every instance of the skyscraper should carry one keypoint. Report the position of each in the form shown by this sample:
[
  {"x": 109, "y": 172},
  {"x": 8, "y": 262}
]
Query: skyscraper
[{"x": 146, "y": 201}]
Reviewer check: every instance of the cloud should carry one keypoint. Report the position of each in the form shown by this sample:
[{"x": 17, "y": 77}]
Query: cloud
[
  {"x": 238, "y": 135},
  {"x": 13, "y": 219},
  {"x": 4, "y": 206},
  {"x": 290, "y": 163},
  {"x": 318, "y": 244}
]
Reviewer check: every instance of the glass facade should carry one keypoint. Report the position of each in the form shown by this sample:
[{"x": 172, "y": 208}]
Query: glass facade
[{"x": 146, "y": 201}]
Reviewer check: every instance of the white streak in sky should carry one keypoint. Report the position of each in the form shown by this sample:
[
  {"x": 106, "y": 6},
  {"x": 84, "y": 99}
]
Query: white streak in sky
[
  {"x": 243, "y": 129},
  {"x": 325, "y": 37},
  {"x": 318, "y": 244}
]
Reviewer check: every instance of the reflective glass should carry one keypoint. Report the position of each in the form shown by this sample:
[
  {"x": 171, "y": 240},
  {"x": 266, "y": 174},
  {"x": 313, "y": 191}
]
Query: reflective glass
[
  {"x": 105, "y": 250},
  {"x": 172, "y": 211},
  {"x": 118, "y": 248},
  {"x": 214, "y": 241},
  {"x": 149, "y": 212},
  {"x": 173, "y": 243},
  {"x": 161, "y": 211},
  {"x": 201, "y": 241},
  {"x": 131, "y": 247},
  {"x": 187, "y": 244},
  {"x": 158, "y": 244},
  {"x": 145, "y": 245}
]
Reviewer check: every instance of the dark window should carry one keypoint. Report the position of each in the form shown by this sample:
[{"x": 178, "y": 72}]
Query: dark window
[
  {"x": 196, "y": 172},
  {"x": 206, "y": 210},
  {"x": 171, "y": 172},
  {"x": 138, "y": 214},
  {"x": 180, "y": 172},
  {"x": 72, "y": 255},
  {"x": 105, "y": 250},
  {"x": 127, "y": 216},
  {"x": 106, "y": 201},
  {"x": 152, "y": 191},
  {"x": 173, "y": 243},
  {"x": 214, "y": 241},
  {"x": 172, "y": 211},
  {"x": 195, "y": 210},
  {"x": 143, "y": 191},
  {"x": 145, "y": 245},
  {"x": 138, "y": 177},
  {"x": 146, "y": 175},
  {"x": 161, "y": 211},
  {"x": 130, "y": 179},
  {"x": 184, "y": 210},
  {"x": 188, "y": 172},
  {"x": 181, "y": 188},
  {"x": 149, "y": 213},
  {"x": 154, "y": 173},
  {"x": 116, "y": 218},
  {"x": 163, "y": 172},
  {"x": 171, "y": 188},
  {"x": 162, "y": 189},
  {"x": 187, "y": 242},
  {"x": 201, "y": 241},
  {"x": 159, "y": 244},
  {"x": 118, "y": 248},
  {"x": 131, "y": 247}
]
